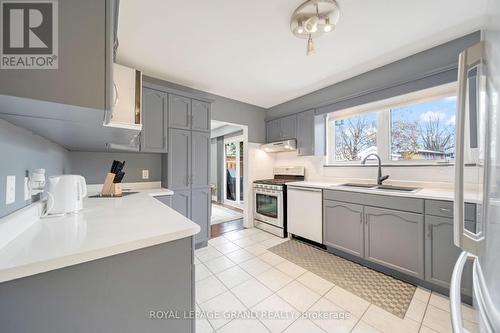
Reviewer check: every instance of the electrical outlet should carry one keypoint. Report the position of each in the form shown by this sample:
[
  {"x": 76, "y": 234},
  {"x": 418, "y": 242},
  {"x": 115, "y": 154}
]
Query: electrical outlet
[
  {"x": 10, "y": 191},
  {"x": 145, "y": 174},
  {"x": 27, "y": 192}
]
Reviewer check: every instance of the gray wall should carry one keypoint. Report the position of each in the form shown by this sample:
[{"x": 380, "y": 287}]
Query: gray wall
[
  {"x": 425, "y": 69},
  {"x": 94, "y": 166},
  {"x": 228, "y": 110},
  {"x": 21, "y": 150}
]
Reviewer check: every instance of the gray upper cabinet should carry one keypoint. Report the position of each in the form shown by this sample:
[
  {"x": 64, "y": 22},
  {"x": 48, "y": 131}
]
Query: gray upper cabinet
[
  {"x": 281, "y": 129},
  {"x": 154, "y": 121},
  {"x": 305, "y": 133},
  {"x": 343, "y": 226},
  {"x": 200, "y": 212},
  {"x": 179, "y": 159},
  {"x": 84, "y": 74},
  {"x": 395, "y": 239},
  {"x": 179, "y": 112},
  {"x": 200, "y": 157},
  {"x": 441, "y": 254},
  {"x": 201, "y": 117},
  {"x": 273, "y": 131}
]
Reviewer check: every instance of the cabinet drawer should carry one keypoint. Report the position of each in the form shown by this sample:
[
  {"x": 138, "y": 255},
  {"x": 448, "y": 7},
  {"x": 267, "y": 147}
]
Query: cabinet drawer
[
  {"x": 445, "y": 209},
  {"x": 384, "y": 201}
]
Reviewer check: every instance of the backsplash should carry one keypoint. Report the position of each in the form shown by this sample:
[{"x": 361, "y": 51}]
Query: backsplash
[
  {"x": 21, "y": 150},
  {"x": 432, "y": 176}
]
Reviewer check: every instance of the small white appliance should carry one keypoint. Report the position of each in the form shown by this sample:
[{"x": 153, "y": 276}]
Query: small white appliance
[
  {"x": 270, "y": 199},
  {"x": 65, "y": 194}
]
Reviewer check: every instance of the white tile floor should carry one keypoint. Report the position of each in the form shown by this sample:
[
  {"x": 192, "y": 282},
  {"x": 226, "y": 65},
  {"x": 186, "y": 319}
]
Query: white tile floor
[{"x": 236, "y": 272}]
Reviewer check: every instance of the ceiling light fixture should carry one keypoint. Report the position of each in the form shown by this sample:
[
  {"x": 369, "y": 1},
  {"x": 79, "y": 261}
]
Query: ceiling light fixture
[{"x": 314, "y": 18}]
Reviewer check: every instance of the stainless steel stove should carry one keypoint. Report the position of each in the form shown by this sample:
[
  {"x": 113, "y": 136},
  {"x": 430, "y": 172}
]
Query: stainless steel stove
[{"x": 270, "y": 199}]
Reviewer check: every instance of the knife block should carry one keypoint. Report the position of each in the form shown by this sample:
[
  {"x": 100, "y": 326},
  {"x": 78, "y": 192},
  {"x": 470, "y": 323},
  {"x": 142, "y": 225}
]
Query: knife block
[{"x": 111, "y": 189}]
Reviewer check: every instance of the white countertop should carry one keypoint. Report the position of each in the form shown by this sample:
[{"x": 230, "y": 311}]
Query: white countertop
[
  {"x": 422, "y": 193},
  {"x": 105, "y": 227}
]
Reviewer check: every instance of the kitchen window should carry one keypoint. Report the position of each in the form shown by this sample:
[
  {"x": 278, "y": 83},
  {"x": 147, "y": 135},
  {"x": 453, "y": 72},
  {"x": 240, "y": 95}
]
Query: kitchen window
[{"x": 411, "y": 129}]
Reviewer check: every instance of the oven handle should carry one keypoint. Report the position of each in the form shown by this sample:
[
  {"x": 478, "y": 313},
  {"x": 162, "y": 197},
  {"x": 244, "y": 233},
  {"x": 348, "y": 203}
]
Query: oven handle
[{"x": 308, "y": 189}]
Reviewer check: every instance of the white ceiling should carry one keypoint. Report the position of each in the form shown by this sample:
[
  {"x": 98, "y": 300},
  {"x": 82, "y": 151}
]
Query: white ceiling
[{"x": 244, "y": 50}]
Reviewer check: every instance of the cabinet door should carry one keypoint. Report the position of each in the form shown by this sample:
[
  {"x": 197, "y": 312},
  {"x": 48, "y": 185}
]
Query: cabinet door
[
  {"x": 179, "y": 112},
  {"x": 179, "y": 159},
  {"x": 305, "y": 133},
  {"x": 154, "y": 121},
  {"x": 200, "y": 212},
  {"x": 273, "y": 131},
  {"x": 166, "y": 200},
  {"x": 181, "y": 202},
  {"x": 343, "y": 226},
  {"x": 288, "y": 127},
  {"x": 200, "y": 116},
  {"x": 200, "y": 157},
  {"x": 441, "y": 254},
  {"x": 395, "y": 239}
]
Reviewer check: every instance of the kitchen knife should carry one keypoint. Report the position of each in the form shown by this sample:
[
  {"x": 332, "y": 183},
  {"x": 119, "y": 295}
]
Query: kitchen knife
[{"x": 119, "y": 177}]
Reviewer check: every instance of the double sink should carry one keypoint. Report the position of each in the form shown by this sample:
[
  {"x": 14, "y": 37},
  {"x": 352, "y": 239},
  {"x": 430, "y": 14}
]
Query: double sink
[{"x": 381, "y": 187}]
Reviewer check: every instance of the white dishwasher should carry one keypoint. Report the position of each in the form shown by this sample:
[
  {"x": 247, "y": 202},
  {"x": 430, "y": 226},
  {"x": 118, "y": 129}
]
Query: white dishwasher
[{"x": 305, "y": 212}]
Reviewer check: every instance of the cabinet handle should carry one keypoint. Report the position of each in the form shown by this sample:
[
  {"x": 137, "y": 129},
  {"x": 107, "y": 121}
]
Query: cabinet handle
[
  {"x": 366, "y": 219},
  {"x": 445, "y": 210},
  {"x": 361, "y": 218},
  {"x": 429, "y": 231},
  {"x": 187, "y": 180}
]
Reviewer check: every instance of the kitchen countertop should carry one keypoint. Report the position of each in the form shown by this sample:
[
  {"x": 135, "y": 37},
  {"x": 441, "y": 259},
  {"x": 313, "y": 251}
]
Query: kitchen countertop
[
  {"x": 422, "y": 192},
  {"x": 105, "y": 227}
]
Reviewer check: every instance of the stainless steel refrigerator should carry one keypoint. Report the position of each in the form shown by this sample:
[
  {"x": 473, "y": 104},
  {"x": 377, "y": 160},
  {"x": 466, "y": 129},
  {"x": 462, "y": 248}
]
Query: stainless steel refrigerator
[{"x": 478, "y": 140}]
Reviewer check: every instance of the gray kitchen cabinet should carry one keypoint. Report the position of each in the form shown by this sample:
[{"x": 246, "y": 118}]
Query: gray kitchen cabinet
[
  {"x": 305, "y": 133},
  {"x": 166, "y": 200},
  {"x": 441, "y": 254},
  {"x": 200, "y": 159},
  {"x": 395, "y": 239},
  {"x": 181, "y": 202},
  {"x": 201, "y": 118},
  {"x": 179, "y": 159},
  {"x": 154, "y": 121},
  {"x": 179, "y": 112},
  {"x": 84, "y": 76},
  {"x": 281, "y": 129},
  {"x": 289, "y": 127},
  {"x": 273, "y": 131},
  {"x": 200, "y": 212},
  {"x": 343, "y": 226}
]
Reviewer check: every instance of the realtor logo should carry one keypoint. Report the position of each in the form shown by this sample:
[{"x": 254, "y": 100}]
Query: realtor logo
[{"x": 29, "y": 36}]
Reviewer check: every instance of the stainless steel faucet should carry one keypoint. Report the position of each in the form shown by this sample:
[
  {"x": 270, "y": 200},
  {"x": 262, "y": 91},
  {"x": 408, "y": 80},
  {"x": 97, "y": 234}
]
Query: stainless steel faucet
[{"x": 380, "y": 178}]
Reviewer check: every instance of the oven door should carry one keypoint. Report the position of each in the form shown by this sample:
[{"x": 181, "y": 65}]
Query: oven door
[{"x": 269, "y": 206}]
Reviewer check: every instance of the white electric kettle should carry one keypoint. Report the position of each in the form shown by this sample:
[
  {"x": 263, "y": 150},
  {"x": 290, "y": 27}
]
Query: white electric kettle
[{"x": 65, "y": 194}]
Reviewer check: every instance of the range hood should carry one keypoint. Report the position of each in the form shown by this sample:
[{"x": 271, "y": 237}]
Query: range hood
[{"x": 276, "y": 147}]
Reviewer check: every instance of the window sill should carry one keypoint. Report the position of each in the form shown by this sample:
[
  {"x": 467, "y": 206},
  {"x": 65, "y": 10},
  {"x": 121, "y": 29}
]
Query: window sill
[{"x": 390, "y": 165}]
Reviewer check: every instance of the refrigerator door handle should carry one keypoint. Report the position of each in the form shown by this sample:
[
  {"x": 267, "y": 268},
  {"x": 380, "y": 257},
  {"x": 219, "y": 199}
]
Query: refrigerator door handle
[
  {"x": 455, "y": 293},
  {"x": 468, "y": 59}
]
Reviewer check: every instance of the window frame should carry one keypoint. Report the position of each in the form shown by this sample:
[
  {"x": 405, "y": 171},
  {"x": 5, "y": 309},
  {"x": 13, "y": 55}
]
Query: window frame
[{"x": 383, "y": 109}]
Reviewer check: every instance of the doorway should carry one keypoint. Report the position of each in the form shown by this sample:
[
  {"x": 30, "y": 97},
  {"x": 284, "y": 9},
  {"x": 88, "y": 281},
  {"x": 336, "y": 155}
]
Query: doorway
[{"x": 228, "y": 155}]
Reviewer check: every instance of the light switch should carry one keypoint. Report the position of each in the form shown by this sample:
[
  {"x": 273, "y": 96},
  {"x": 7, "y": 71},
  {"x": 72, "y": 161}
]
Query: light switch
[
  {"x": 145, "y": 174},
  {"x": 10, "y": 191}
]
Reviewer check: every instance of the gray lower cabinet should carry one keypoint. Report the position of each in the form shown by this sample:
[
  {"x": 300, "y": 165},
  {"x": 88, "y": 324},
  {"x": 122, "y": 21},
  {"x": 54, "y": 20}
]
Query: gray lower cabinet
[
  {"x": 179, "y": 159},
  {"x": 200, "y": 212},
  {"x": 201, "y": 118},
  {"x": 388, "y": 230},
  {"x": 181, "y": 202},
  {"x": 343, "y": 226},
  {"x": 305, "y": 133},
  {"x": 166, "y": 200},
  {"x": 441, "y": 254},
  {"x": 281, "y": 129},
  {"x": 112, "y": 294},
  {"x": 179, "y": 112},
  {"x": 154, "y": 121}
]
